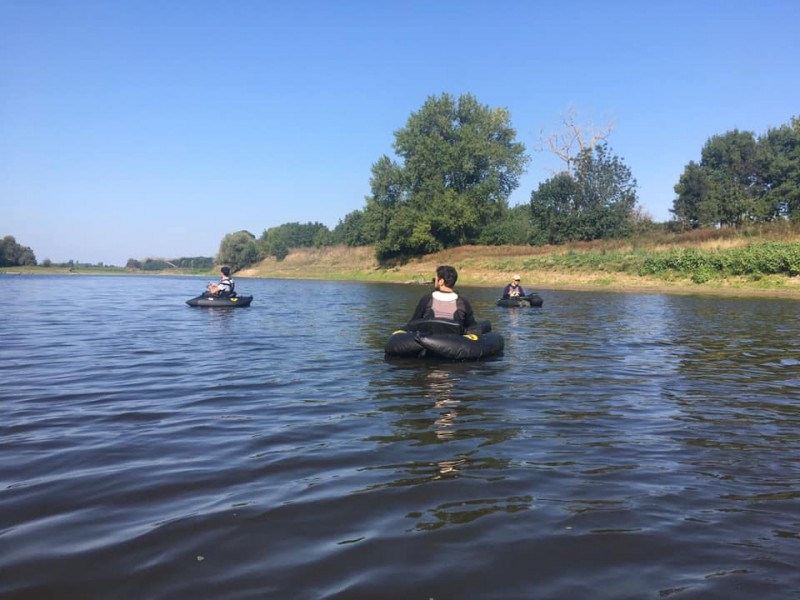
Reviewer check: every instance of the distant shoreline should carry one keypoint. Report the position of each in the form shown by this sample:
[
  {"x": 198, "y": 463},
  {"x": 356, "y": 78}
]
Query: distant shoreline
[
  {"x": 531, "y": 282},
  {"x": 478, "y": 266}
]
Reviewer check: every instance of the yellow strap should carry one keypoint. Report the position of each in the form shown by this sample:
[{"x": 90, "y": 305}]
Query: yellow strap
[{"x": 471, "y": 336}]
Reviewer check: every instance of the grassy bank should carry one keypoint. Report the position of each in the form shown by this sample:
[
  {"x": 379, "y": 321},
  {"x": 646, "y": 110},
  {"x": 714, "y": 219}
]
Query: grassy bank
[
  {"x": 762, "y": 261},
  {"x": 766, "y": 263}
]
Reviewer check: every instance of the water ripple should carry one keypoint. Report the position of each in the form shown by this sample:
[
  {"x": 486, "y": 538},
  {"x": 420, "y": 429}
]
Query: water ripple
[{"x": 626, "y": 446}]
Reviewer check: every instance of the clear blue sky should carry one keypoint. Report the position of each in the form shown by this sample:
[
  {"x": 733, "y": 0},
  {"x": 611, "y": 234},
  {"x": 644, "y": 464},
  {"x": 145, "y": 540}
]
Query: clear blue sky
[{"x": 144, "y": 128}]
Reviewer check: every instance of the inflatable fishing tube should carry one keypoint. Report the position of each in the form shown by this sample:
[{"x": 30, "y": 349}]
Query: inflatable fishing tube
[
  {"x": 444, "y": 339},
  {"x": 533, "y": 299},
  {"x": 209, "y": 300}
]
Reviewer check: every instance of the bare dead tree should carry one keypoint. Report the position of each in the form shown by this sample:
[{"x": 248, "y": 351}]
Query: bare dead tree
[{"x": 573, "y": 139}]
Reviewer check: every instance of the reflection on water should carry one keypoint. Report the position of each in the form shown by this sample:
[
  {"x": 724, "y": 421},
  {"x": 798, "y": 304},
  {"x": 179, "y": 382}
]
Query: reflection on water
[
  {"x": 625, "y": 446},
  {"x": 437, "y": 407},
  {"x": 461, "y": 513}
]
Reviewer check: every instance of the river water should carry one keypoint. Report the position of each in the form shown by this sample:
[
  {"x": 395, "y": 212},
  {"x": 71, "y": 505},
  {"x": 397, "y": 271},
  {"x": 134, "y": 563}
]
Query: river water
[{"x": 624, "y": 446}]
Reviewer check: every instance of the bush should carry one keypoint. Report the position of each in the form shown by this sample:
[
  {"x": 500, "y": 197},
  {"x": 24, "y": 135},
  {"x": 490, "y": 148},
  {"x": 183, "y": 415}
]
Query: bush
[{"x": 771, "y": 258}]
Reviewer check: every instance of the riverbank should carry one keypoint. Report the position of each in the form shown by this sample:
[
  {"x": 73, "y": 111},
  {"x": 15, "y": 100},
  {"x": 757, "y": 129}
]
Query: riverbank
[
  {"x": 762, "y": 261},
  {"x": 540, "y": 268}
]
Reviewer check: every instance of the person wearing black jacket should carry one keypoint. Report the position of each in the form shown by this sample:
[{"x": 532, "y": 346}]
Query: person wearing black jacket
[{"x": 444, "y": 303}]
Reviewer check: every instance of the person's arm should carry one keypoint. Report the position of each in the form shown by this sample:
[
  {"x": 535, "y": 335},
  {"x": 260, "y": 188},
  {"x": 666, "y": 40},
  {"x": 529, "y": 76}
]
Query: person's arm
[
  {"x": 420, "y": 309},
  {"x": 522, "y": 292},
  {"x": 506, "y": 291},
  {"x": 469, "y": 318}
]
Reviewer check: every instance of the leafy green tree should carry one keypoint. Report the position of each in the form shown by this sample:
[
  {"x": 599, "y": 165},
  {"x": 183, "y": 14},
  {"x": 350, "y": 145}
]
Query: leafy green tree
[
  {"x": 778, "y": 169},
  {"x": 693, "y": 206},
  {"x": 278, "y": 248},
  {"x": 13, "y": 254},
  {"x": 377, "y": 219},
  {"x": 300, "y": 235},
  {"x": 197, "y": 262},
  {"x": 324, "y": 238},
  {"x": 730, "y": 162},
  {"x": 352, "y": 230},
  {"x": 608, "y": 194},
  {"x": 273, "y": 242},
  {"x": 238, "y": 250},
  {"x": 742, "y": 179},
  {"x": 156, "y": 264},
  {"x": 514, "y": 227},
  {"x": 555, "y": 207},
  {"x": 276, "y": 241},
  {"x": 458, "y": 165},
  {"x": 409, "y": 235},
  {"x": 595, "y": 201}
]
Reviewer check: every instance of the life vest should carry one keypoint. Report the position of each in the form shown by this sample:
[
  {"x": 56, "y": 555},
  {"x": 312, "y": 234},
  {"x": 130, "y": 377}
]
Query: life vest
[
  {"x": 458, "y": 315},
  {"x": 231, "y": 285}
]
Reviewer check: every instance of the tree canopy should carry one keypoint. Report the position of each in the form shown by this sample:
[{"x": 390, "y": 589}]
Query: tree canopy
[
  {"x": 596, "y": 200},
  {"x": 13, "y": 254},
  {"x": 458, "y": 164},
  {"x": 238, "y": 250},
  {"x": 742, "y": 178},
  {"x": 276, "y": 241}
]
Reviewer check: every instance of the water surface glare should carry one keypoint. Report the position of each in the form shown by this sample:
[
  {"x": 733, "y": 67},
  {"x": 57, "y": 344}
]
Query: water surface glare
[{"x": 625, "y": 446}]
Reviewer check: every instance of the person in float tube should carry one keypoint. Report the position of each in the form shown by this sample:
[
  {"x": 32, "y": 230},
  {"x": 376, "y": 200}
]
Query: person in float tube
[
  {"x": 444, "y": 302},
  {"x": 513, "y": 289},
  {"x": 225, "y": 285}
]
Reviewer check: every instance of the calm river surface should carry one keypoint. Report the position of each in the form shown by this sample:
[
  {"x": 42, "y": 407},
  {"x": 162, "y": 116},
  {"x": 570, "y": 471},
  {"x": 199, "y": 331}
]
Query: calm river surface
[{"x": 625, "y": 446}]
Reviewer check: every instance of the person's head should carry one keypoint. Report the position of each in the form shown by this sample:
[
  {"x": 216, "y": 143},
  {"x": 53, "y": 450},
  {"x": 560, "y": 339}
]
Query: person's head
[
  {"x": 515, "y": 280},
  {"x": 226, "y": 271},
  {"x": 448, "y": 274}
]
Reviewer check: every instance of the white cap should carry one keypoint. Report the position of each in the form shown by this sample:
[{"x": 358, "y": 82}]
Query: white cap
[{"x": 515, "y": 277}]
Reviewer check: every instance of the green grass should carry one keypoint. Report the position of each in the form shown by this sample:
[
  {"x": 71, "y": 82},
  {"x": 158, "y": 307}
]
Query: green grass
[
  {"x": 759, "y": 261},
  {"x": 752, "y": 261}
]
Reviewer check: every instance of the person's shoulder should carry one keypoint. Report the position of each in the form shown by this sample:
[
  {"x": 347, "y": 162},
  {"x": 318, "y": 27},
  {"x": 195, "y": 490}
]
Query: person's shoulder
[{"x": 445, "y": 296}]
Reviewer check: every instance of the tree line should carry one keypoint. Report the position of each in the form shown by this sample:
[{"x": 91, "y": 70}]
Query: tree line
[
  {"x": 457, "y": 162},
  {"x": 742, "y": 178},
  {"x": 196, "y": 263},
  {"x": 13, "y": 254}
]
